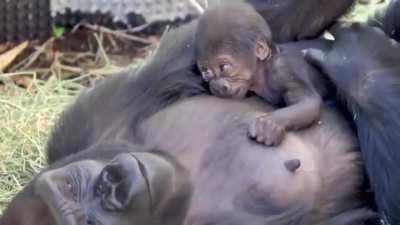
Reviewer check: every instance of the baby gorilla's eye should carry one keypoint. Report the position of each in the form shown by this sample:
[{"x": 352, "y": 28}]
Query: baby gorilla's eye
[
  {"x": 207, "y": 74},
  {"x": 225, "y": 67}
]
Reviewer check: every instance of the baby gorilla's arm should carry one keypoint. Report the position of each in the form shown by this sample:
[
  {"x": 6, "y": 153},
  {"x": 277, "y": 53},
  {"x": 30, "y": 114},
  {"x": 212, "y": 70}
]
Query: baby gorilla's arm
[
  {"x": 270, "y": 129},
  {"x": 303, "y": 106},
  {"x": 303, "y": 109}
]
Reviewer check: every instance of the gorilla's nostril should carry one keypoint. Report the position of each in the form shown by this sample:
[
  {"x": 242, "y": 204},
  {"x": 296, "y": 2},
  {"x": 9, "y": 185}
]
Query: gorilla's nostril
[
  {"x": 114, "y": 186},
  {"x": 90, "y": 222},
  {"x": 109, "y": 178},
  {"x": 114, "y": 174}
]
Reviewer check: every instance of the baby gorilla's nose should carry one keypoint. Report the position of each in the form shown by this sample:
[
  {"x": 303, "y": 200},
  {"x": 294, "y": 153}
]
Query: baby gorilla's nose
[
  {"x": 224, "y": 88},
  {"x": 220, "y": 87}
]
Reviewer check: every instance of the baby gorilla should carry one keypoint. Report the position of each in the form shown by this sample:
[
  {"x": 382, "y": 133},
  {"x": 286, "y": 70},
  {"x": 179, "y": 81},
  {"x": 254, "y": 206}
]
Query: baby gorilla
[{"x": 235, "y": 55}]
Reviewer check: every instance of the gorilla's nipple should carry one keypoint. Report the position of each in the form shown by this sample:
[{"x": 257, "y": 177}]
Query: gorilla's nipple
[{"x": 292, "y": 165}]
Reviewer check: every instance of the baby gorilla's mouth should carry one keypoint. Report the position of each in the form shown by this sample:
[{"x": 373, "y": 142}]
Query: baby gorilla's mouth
[{"x": 239, "y": 92}]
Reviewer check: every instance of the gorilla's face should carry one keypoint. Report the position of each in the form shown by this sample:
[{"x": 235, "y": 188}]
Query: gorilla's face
[{"x": 137, "y": 186}]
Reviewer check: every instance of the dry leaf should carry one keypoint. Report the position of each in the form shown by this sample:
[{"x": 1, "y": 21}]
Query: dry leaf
[
  {"x": 4, "y": 47},
  {"x": 23, "y": 81},
  {"x": 8, "y": 57}
]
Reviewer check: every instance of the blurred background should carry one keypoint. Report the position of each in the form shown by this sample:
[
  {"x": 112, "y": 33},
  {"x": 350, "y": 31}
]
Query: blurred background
[{"x": 52, "y": 49}]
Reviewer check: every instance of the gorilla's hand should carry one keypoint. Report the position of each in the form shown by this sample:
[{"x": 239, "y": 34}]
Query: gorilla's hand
[
  {"x": 358, "y": 51},
  {"x": 265, "y": 130}
]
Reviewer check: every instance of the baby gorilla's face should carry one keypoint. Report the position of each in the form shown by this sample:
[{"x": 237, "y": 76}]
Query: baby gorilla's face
[
  {"x": 228, "y": 76},
  {"x": 233, "y": 75}
]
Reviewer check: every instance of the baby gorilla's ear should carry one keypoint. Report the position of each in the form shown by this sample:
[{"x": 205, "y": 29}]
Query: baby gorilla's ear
[{"x": 262, "y": 50}]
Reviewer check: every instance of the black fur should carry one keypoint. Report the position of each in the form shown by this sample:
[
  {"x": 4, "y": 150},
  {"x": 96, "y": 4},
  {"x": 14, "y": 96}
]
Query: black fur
[
  {"x": 388, "y": 20},
  {"x": 292, "y": 20},
  {"x": 364, "y": 65}
]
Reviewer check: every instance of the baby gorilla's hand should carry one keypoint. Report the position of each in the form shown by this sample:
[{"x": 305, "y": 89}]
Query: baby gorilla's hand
[{"x": 266, "y": 131}]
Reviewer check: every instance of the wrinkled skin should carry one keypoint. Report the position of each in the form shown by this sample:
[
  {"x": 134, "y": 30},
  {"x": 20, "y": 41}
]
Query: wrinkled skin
[{"x": 363, "y": 63}]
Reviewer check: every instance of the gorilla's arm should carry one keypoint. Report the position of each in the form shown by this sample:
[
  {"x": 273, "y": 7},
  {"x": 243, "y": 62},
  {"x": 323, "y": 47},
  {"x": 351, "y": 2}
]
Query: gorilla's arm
[
  {"x": 80, "y": 124},
  {"x": 167, "y": 77},
  {"x": 292, "y": 20},
  {"x": 364, "y": 65}
]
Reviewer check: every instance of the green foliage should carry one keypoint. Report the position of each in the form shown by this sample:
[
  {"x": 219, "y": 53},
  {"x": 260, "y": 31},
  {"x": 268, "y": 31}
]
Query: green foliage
[
  {"x": 58, "y": 31},
  {"x": 27, "y": 116}
]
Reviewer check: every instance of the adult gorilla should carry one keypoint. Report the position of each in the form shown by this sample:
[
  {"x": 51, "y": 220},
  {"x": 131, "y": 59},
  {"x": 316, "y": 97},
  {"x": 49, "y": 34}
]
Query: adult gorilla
[{"x": 195, "y": 165}]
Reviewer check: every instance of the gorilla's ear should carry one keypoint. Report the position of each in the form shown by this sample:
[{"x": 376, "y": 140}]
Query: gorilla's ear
[{"x": 27, "y": 208}]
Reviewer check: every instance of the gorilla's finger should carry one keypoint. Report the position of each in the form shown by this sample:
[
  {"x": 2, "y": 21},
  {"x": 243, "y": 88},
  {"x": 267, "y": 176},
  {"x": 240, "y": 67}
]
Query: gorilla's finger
[
  {"x": 339, "y": 28},
  {"x": 315, "y": 57},
  {"x": 376, "y": 30}
]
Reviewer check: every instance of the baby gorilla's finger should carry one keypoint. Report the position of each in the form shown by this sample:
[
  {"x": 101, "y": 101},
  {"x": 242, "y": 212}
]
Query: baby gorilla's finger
[
  {"x": 271, "y": 140},
  {"x": 267, "y": 134},
  {"x": 260, "y": 127},
  {"x": 315, "y": 57},
  {"x": 268, "y": 141},
  {"x": 277, "y": 135},
  {"x": 252, "y": 129}
]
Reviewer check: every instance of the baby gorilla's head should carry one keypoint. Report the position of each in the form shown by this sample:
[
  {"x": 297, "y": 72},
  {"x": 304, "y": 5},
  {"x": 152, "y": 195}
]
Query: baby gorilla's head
[{"x": 232, "y": 44}]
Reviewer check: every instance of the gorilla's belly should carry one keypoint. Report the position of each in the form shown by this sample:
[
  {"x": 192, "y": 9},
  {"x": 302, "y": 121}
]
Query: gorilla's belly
[{"x": 209, "y": 136}]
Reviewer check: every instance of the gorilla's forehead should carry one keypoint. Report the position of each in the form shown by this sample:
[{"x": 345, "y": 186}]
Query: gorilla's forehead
[{"x": 85, "y": 164}]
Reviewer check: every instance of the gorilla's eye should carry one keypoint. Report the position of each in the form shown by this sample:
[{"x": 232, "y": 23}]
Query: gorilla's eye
[{"x": 68, "y": 189}]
